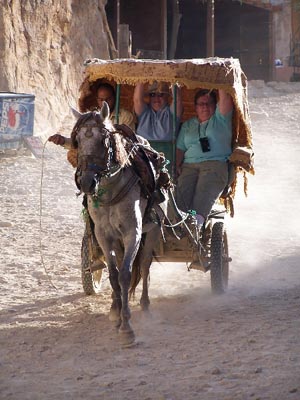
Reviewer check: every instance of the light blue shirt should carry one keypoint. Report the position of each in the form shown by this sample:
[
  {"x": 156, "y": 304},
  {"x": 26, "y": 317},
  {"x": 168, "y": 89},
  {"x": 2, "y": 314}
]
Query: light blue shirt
[
  {"x": 218, "y": 130},
  {"x": 156, "y": 125}
]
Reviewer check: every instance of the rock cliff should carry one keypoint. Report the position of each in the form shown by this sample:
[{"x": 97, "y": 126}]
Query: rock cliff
[{"x": 43, "y": 44}]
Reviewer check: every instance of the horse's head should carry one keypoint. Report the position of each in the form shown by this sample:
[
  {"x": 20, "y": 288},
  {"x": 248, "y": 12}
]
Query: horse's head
[{"x": 93, "y": 135}]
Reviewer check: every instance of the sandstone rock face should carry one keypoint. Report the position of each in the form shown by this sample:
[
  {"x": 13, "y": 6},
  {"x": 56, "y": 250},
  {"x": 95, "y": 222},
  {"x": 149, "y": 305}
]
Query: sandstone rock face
[{"x": 43, "y": 44}]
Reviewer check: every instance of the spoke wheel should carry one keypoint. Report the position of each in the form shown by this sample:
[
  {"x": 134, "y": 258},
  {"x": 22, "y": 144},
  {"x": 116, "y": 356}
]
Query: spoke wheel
[
  {"x": 219, "y": 265},
  {"x": 91, "y": 281}
]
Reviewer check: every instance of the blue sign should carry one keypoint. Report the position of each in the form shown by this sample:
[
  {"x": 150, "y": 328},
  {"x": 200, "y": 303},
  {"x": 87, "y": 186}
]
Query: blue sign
[{"x": 16, "y": 114}]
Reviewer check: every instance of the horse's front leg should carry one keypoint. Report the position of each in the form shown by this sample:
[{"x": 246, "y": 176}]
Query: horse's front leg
[
  {"x": 124, "y": 282},
  {"x": 112, "y": 264},
  {"x": 116, "y": 305},
  {"x": 111, "y": 249}
]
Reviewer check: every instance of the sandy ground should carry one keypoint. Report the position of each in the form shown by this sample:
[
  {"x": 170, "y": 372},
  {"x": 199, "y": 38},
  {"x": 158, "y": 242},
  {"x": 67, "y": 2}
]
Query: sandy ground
[{"x": 59, "y": 344}]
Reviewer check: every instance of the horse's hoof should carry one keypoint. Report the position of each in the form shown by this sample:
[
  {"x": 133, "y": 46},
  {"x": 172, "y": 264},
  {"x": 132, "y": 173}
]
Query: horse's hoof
[
  {"x": 145, "y": 307},
  {"x": 130, "y": 345},
  {"x": 114, "y": 315},
  {"x": 117, "y": 324},
  {"x": 144, "y": 303},
  {"x": 127, "y": 338}
]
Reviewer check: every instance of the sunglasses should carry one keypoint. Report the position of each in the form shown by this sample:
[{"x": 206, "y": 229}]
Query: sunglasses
[
  {"x": 156, "y": 94},
  {"x": 208, "y": 104}
]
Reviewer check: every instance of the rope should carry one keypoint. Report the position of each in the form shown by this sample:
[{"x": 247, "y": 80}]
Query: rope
[
  {"x": 178, "y": 223},
  {"x": 40, "y": 230}
]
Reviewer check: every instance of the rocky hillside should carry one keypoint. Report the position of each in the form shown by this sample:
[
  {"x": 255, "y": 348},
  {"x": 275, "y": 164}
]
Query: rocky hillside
[{"x": 43, "y": 44}]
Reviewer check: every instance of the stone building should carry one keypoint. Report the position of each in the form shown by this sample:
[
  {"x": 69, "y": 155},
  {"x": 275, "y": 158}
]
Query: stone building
[
  {"x": 43, "y": 43},
  {"x": 263, "y": 34}
]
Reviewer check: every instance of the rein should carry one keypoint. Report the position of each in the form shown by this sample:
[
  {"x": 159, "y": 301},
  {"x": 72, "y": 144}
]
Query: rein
[
  {"x": 127, "y": 159},
  {"x": 120, "y": 195},
  {"x": 107, "y": 172}
]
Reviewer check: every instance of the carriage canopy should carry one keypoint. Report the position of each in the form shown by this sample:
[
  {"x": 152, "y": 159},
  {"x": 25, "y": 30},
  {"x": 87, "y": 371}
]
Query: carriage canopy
[{"x": 190, "y": 75}]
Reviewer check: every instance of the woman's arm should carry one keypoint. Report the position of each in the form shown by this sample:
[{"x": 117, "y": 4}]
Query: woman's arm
[{"x": 225, "y": 102}]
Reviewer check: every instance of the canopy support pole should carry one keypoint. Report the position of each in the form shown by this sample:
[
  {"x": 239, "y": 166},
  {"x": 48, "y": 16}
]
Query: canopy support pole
[
  {"x": 117, "y": 102},
  {"x": 210, "y": 30},
  {"x": 173, "y": 172}
]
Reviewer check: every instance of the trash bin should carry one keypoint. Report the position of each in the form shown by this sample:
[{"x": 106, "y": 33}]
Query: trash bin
[{"x": 16, "y": 118}]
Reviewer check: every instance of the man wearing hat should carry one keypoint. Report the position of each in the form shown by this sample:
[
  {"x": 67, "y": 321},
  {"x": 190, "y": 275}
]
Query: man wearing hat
[
  {"x": 155, "y": 117},
  {"x": 104, "y": 92}
]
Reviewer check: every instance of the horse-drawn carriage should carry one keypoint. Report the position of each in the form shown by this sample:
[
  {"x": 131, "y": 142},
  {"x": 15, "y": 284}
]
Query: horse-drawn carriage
[{"x": 205, "y": 249}]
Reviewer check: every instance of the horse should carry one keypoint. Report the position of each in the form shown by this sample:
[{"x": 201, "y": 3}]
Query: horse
[{"x": 117, "y": 206}]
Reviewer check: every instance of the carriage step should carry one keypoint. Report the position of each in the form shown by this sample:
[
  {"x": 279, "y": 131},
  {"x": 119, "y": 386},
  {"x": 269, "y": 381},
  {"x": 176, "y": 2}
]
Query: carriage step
[
  {"x": 95, "y": 266},
  {"x": 198, "y": 266}
]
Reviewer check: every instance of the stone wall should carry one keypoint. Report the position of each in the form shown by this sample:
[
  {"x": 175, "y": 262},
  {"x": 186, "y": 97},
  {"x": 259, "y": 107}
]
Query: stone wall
[{"x": 43, "y": 44}]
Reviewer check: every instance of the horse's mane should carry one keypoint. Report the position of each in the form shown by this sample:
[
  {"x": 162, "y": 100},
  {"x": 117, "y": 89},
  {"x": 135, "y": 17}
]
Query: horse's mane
[
  {"x": 120, "y": 145},
  {"x": 120, "y": 149}
]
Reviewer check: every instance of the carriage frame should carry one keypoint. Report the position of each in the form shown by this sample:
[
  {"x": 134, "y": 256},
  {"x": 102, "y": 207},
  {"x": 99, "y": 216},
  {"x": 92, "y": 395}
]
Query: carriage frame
[{"x": 204, "y": 249}]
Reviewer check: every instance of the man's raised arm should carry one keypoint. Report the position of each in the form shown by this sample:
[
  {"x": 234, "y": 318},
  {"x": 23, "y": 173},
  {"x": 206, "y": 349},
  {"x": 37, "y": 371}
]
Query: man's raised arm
[{"x": 138, "y": 99}]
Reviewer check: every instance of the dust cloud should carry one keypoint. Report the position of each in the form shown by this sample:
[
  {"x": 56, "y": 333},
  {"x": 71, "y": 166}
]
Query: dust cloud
[
  {"x": 242, "y": 345},
  {"x": 265, "y": 232}
]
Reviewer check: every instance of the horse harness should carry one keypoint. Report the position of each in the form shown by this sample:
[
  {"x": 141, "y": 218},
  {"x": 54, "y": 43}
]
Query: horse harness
[
  {"x": 147, "y": 164},
  {"x": 125, "y": 189}
]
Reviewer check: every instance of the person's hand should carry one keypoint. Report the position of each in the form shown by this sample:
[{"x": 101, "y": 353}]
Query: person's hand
[{"x": 57, "y": 139}]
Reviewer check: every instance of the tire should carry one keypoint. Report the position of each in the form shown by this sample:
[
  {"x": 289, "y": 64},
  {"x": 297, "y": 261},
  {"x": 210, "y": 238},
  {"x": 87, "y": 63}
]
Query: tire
[
  {"x": 219, "y": 260},
  {"x": 91, "y": 281}
]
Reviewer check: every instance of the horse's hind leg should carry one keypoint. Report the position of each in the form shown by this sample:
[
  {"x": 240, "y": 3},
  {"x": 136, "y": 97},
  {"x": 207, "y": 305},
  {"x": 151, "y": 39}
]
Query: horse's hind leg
[
  {"x": 145, "y": 259},
  {"x": 145, "y": 301}
]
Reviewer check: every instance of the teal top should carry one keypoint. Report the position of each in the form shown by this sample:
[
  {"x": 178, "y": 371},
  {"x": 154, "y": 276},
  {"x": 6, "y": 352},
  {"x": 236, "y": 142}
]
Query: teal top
[{"x": 218, "y": 130}]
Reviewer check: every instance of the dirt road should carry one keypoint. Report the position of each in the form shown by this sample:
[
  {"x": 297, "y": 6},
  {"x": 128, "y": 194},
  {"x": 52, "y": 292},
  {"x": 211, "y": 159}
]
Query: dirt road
[{"x": 59, "y": 344}]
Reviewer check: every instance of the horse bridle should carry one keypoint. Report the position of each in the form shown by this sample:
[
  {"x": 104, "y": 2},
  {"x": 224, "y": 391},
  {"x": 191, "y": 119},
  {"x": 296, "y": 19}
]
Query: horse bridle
[{"x": 92, "y": 162}]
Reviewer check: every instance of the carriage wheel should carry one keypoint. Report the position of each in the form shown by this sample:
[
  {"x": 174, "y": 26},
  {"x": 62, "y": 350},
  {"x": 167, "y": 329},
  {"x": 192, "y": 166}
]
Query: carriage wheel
[
  {"x": 219, "y": 265},
  {"x": 91, "y": 281}
]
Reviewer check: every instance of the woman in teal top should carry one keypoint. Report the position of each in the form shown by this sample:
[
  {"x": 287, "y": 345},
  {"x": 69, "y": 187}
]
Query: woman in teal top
[{"x": 203, "y": 148}]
